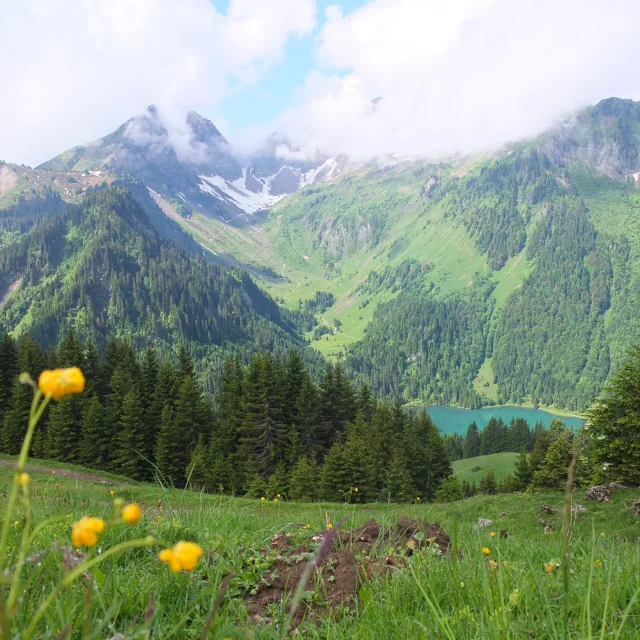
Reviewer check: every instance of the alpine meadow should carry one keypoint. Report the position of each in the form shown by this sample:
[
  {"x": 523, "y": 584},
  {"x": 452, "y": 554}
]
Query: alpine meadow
[{"x": 350, "y": 352}]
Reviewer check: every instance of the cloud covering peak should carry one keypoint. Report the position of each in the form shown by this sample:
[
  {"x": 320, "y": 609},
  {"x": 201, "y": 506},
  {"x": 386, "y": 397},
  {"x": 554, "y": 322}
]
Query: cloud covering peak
[{"x": 460, "y": 75}]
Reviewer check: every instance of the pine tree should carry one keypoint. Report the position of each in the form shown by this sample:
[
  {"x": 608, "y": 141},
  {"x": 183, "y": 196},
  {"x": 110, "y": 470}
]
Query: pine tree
[
  {"x": 130, "y": 443},
  {"x": 471, "y": 446}
]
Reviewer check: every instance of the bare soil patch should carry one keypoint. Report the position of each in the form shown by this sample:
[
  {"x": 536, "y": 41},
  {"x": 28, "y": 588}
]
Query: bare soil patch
[{"x": 355, "y": 557}]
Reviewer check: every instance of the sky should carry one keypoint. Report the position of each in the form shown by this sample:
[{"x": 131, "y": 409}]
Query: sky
[{"x": 454, "y": 76}]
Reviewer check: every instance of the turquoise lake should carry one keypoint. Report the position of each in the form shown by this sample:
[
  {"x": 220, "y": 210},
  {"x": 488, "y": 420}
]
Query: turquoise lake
[{"x": 455, "y": 420}]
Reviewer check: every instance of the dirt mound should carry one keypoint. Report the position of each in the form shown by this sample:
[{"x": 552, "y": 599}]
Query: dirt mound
[{"x": 353, "y": 558}]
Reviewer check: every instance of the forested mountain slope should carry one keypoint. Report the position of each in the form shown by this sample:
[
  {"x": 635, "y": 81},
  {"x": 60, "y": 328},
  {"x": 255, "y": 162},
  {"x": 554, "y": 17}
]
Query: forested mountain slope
[
  {"x": 511, "y": 278},
  {"x": 102, "y": 269}
]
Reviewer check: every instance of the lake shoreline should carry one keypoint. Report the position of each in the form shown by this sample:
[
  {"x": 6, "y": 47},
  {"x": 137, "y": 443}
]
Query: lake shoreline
[
  {"x": 555, "y": 412},
  {"x": 451, "y": 419}
]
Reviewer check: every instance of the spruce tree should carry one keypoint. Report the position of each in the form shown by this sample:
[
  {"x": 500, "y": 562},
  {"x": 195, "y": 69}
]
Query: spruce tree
[
  {"x": 94, "y": 442},
  {"x": 263, "y": 429},
  {"x": 14, "y": 424},
  {"x": 450, "y": 490},
  {"x": 151, "y": 407},
  {"x": 170, "y": 467},
  {"x": 304, "y": 479},
  {"x": 552, "y": 473},
  {"x": 129, "y": 446},
  {"x": 489, "y": 483},
  {"x": 196, "y": 471},
  {"x": 471, "y": 446},
  {"x": 63, "y": 431},
  {"x": 523, "y": 473},
  {"x": 335, "y": 476},
  {"x": 186, "y": 427},
  {"x": 398, "y": 485},
  {"x": 8, "y": 371}
]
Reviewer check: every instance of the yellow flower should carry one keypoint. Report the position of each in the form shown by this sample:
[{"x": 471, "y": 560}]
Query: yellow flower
[
  {"x": 278, "y": 496},
  {"x": 329, "y": 526},
  {"x": 493, "y": 534},
  {"x": 418, "y": 499},
  {"x": 486, "y": 551},
  {"x": 112, "y": 492},
  {"x": 602, "y": 535},
  {"x": 23, "y": 479},
  {"x": 307, "y": 526},
  {"x": 85, "y": 531},
  {"x": 262, "y": 499},
  {"x": 61, "y": 382},
  {"x": 131, "y": 513},
  {"x": 275, "y": 499},
  {"x": 551, "y": 566},
  {"x": 505, "y": 563},
  {"x": 53, "y": 472},
  {"x": 182, "y": 557},
  {"x": 597, "y": 563},
  {"x": 356, "y": 489},
  {"x": 493, "y": 564}
]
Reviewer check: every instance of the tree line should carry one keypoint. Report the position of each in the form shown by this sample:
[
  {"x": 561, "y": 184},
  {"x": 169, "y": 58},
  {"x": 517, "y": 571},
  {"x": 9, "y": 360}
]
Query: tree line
[{"x": 269, "y": 429}]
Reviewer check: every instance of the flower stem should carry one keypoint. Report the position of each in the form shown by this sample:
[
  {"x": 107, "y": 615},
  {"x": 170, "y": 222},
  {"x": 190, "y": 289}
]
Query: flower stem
[
  {"x": 79, "y": 570},
  {"x": 34, "y": 416}
]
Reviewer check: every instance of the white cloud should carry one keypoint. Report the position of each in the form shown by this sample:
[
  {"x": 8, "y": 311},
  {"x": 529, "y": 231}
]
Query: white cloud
[
  {"x": 461, "y": 75},
  {"x": 75, "y": 69}
]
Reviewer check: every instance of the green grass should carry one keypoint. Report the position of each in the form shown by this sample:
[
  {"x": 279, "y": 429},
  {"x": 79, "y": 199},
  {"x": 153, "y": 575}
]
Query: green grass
[
  {"x": 433, "y": 597},
  {"x": 500, "y": 464}
]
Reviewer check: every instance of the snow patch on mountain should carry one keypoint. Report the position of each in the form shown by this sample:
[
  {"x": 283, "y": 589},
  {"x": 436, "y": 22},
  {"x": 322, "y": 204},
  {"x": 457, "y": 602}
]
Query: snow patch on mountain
[{"x": 237, "y": 194}]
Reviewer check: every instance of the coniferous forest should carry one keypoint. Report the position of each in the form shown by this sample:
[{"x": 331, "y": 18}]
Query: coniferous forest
[{"x": 269, "y": 429}]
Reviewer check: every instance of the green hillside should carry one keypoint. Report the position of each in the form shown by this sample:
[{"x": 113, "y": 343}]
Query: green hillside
[
  {"x": 466, "y": 597},
  {"x": 500, "y": 464},
  {"x": 103, "y": 269},
  {"x": 509, "y": 278}
]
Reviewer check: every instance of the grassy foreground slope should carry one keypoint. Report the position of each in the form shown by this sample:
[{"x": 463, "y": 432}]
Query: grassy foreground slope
[
  {"x": 500, "y": 464},
  {"x": 432, "y": 597}
]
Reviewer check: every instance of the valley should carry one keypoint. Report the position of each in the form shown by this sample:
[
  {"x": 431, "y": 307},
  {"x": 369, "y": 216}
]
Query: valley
[{"x": 470, "y": 243}]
